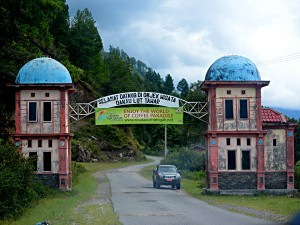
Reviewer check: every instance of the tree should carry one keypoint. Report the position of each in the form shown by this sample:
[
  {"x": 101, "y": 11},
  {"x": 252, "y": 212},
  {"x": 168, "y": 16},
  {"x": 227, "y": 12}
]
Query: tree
[
  {"x": 168, "y": 85},
  {"x": 85, "y": 43},
  {"x": 183, "y": 88}
]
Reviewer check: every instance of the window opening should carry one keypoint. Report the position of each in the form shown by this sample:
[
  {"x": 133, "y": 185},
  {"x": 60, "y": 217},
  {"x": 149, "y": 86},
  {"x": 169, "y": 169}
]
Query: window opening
[
  {"x": 246, "y": 160},
  {"x": 238, "y": 141},
  {"x": 231, "y": 160},
  {"x": 243, "y": 92},
  {"x": 229, "y": 109},
  {"x": 33, "y": 157},
  {"x": 47, "y": 161},
  {"x": 274, "y": 142},
  {"x": 228, "y": 141},
  {"x": 243, "y": 109},
  {"x": 47, "y": 112},
  {"x": 47, "y": 94},
  {"x": 32, "y": 112},
  {"x": 50, "y": 143},
  {"x": 248, "y": 141},
  {"x": 40, "y": 143},
  {"x": 229, "y": 92},
  {"x": 32, "y": 95},
  {"x": 29, "y": 143}
]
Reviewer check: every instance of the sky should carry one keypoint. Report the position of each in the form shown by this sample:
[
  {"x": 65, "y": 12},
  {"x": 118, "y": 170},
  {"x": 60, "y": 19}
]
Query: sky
[{"x": 184, "y": 37}]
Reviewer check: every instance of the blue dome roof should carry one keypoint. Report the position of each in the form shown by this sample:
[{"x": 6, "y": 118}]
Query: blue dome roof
[
  {"x": 233, "y": 68},
  {"x": 43, "y": 71}
]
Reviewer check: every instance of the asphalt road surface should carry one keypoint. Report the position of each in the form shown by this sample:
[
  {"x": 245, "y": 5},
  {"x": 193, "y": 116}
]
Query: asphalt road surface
[{"x": 138, "y": 203}]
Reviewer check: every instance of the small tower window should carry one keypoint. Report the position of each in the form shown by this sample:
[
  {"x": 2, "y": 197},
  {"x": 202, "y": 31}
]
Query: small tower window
[
  {"x": 29, "y": 143},
  {"x": 32, "y": 112},
  {"x": 243, "y": 109},
  {"x": 248, "y": 141},
  {"x": 32, "y": 95},
  {"x": 40, "y": 143},
  {"x": 47, "y": 111},
  {"x": 238, "y": 141},
  {"x": 229, "y": 92},
  {"x": 47, "y": 94},
  {"x": 50, "y": 143},
  {"x": 229, "y": 109},
  {"x": 47, "y": 161},
  {"x": 243, "y": 92},
  {"x": 228, "y": 141},
  {"x": 231, "y": 160},
  {"x": 274, "y": 142}
]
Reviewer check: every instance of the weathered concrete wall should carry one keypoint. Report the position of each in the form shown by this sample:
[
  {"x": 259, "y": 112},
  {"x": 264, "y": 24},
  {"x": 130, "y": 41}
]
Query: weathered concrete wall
[
  {"x": 223, "y": 148},
  {"x": 40, "y": 97},
  {"x": 40, "y": 151},
  {"x": 236, "y": 94},
  {"x": 229, "y": 181},
  {"x": 275, "y": 155},
  {"x": 51, "y": 180},
  {"x": 275, "y": 180}
]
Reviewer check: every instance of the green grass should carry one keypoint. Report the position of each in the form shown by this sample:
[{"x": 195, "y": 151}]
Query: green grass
[
  {"x": 285, "y": 206},
  {"x": 61, "y": 207}
]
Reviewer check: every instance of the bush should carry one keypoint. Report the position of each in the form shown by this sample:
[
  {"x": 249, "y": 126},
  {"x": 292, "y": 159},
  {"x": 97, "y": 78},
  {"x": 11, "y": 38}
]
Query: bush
[
  {"x": 19, "y": 187},
  {"x": 77, "y": 169},
  {"x": 297, "y": 175},
  {"x": 186, "y": 159}
]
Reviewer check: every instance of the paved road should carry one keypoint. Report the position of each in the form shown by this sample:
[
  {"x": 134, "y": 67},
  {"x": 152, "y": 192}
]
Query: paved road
[{"x": 138, "y": 203}]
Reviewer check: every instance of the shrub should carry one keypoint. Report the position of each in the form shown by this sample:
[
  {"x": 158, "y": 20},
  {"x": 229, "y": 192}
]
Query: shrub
[
  {"x": 77, "y": 169},
  {"x": 297, "y": 175},
  {"x": 19, "y": 187},
  {"x": 186, "y": 159}
]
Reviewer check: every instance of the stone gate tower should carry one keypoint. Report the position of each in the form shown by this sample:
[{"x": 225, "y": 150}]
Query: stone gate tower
[
  {"x": 42, "y": 122},
  {"x": 249, "y": 148}
]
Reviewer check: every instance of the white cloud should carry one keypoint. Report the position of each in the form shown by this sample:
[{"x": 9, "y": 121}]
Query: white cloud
[{"x": 183, "y": 38}]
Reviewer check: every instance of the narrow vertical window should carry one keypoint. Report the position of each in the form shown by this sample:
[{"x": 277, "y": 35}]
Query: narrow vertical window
[
  {"x": 231, "y": 160},
  {"x": 248, "y": 141},
  {"x": 47, "y": 161},
  {"x": 229, "y": 109},
  {"x": 47, "y": 111},
  {"x": 32, "y": 112},
  {"x": 243, "y": 109},
  {"x": 246, "y": 160},
  {"x": 29, "y": 143},
  {"x": 238, "y": 141},
  {"x": 50, "y": 143},
  {"x": 33, "y": 158},
  {"x": 40, "y": 143},
  {"x": 274, "y": 142},
  {"x": 228, "y": 141}
]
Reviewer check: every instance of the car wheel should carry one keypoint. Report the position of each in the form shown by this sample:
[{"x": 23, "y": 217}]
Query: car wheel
[
  {"x": 173, "y": 186},
  {"x": 157, "y": 185},
  {"x": 178, "y": 186},
  {"x": 154, "y": 184}
]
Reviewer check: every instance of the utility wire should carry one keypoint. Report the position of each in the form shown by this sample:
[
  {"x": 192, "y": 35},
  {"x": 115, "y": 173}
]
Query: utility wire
[{"x": 281, "y": 59}]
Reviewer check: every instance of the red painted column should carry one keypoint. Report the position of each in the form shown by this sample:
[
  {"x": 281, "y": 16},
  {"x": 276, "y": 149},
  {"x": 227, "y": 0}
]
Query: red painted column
[
  {"x": 259, "y": 110},
  {"x": 18, "y": 112},
  {"x": 290, "y": 158},
  {"x": 213, "y": 109},
  {"x": 260, "y": 163},
  {"x": 213, "y": 163}
]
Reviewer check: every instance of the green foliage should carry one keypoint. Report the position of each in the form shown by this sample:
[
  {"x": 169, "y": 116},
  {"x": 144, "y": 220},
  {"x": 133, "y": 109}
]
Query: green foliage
[
  {"x": 168, "y": 85},
  {"x": 19, "y": 188},
  {"x": 183, "y": 88},
  {"x": 297, "y": 175},
  {"x": 77, "y": 169},
  {"x": 186, "y": 159}
]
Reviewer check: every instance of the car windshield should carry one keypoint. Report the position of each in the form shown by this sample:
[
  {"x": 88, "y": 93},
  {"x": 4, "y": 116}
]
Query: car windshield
[{"x": 169, "y": 169}]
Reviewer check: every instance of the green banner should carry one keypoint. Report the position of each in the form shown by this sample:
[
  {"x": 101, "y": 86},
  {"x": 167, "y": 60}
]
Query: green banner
[{"x": 139, "y": 115}]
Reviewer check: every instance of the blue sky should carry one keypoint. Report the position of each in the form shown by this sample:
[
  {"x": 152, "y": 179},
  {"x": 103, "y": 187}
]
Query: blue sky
[{"x": 183, "y": 38}]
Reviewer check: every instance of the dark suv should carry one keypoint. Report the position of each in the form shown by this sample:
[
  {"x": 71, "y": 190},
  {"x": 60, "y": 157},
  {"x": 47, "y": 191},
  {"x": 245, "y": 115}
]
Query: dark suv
[{"x": 166, "y": 175}]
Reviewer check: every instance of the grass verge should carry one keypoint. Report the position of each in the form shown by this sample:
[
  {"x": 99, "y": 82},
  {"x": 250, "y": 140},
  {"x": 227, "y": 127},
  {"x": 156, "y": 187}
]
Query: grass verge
[
  {"x": 61, "y": 208},
  {"x": 282, "y": 206}
]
